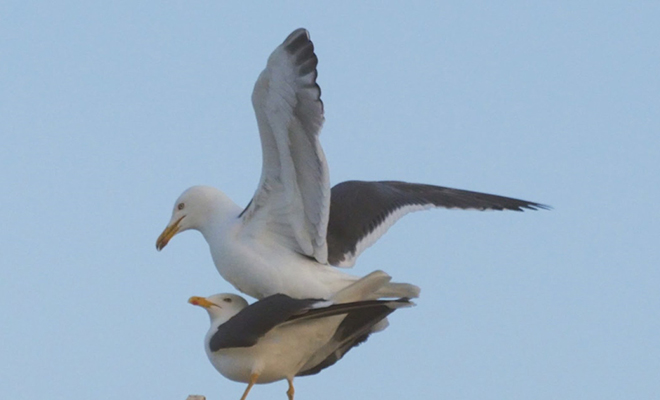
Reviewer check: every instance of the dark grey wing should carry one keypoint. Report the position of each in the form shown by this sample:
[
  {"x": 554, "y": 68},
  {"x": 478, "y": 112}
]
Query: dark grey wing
[
  {"x": 352, "y": 331},
  {"x": 254, "y": 321},
  {"x": 361, "y": 212}
]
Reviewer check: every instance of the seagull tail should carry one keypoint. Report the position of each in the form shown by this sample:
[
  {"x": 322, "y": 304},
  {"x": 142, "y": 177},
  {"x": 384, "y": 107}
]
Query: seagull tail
[
  {"x": 394, "y": 289},
  {"x": 366, "y": 288}
]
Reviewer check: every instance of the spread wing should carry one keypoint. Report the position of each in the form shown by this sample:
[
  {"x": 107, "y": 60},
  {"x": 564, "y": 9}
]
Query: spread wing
[
  {"x": 292, "y": 200},
  {"x": 361, "y": 212},
  {"x": 293, "y": 205}
]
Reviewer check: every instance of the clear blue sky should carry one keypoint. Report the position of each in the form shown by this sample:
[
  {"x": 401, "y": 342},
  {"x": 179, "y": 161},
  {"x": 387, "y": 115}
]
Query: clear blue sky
[{"x": 109, "y": 110}]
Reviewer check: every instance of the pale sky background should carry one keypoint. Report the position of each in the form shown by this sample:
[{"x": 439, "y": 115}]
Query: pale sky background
[{"x": 109, "y": 110}]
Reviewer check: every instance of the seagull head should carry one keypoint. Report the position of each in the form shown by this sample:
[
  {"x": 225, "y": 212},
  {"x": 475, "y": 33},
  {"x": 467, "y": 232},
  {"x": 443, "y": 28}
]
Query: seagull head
[
  {"x": 195, "y": 209},
  {"x": 220, "y": 306}
]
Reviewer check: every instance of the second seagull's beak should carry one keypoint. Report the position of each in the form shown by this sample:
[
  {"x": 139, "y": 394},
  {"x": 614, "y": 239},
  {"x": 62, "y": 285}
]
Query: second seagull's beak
[{"x": 200, "y": 301}]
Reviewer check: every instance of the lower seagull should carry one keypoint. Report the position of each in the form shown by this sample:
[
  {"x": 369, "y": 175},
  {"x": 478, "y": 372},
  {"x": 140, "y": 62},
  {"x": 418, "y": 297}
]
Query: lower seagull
[{"x": 280, "y": 337}]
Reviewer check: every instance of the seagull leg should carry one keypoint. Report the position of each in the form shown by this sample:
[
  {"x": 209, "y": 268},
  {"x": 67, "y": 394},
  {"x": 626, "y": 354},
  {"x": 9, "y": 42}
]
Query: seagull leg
[
  {"x": 253, "y": 380},
  {"x": 291, "y": 391}
]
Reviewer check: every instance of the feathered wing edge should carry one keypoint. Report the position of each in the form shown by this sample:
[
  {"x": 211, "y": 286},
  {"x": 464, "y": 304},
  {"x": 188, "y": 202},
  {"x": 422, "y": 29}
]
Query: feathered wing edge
[
  {"x": 294, "y": 190},
  {"x": 361, "y": 212}
]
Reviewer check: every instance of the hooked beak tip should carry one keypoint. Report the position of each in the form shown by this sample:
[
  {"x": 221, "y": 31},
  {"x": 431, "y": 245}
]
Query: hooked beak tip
[
  {"x": 161, "y": 243},
  {"x": 168, "y": 234}
]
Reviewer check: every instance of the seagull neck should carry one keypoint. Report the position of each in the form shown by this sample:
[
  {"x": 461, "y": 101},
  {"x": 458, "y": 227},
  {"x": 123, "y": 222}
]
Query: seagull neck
[
  {"x": 218, "y": 318},
  {"x": 219, "y": 221},
  {"x": 216, "y": 321}
]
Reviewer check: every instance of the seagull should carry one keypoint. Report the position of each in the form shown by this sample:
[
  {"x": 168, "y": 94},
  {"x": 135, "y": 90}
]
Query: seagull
[
  {"x": 296, "y": 230},
  {"x": 280, "y": 337}
]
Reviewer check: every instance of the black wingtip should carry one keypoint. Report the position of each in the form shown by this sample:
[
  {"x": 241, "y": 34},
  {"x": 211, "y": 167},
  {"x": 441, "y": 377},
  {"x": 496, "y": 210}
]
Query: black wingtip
[
  {"x": 296, "y": 40},
  {"x": 535, "y": 207}
]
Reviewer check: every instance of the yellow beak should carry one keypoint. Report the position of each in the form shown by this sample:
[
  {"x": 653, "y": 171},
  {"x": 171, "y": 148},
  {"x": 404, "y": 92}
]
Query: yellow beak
[
  {"x": 168, "y": 234},
  {"x": 200, "y": 301}
]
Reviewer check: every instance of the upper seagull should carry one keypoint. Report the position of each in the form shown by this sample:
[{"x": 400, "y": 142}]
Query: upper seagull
[{"x": 296, "y": 228}]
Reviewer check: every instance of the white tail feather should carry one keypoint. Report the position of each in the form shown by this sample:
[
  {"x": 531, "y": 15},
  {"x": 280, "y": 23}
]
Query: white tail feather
[
  {"x": 397, "y": 290},
  {"x": 365, "y": 288}
]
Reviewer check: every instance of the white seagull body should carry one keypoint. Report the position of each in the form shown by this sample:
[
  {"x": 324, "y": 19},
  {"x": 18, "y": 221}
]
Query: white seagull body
[
  {"x": 296, "y": 228},
  {"x": 280, "y": 337}
]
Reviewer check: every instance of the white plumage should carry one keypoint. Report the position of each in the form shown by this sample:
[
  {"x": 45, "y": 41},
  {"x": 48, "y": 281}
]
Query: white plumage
[{"x": 295, "y": 228}]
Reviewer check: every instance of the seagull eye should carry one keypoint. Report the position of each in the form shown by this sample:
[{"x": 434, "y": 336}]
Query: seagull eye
[
  {"x": 227, "y": 300},
  {"x": 180, "y": 206}
]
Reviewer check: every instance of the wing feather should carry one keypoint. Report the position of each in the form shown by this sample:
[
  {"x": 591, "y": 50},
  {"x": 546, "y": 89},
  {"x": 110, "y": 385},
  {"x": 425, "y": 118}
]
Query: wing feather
[
  {"x": 361, "y": 212},
  {"x": 292, "y": 200}
]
